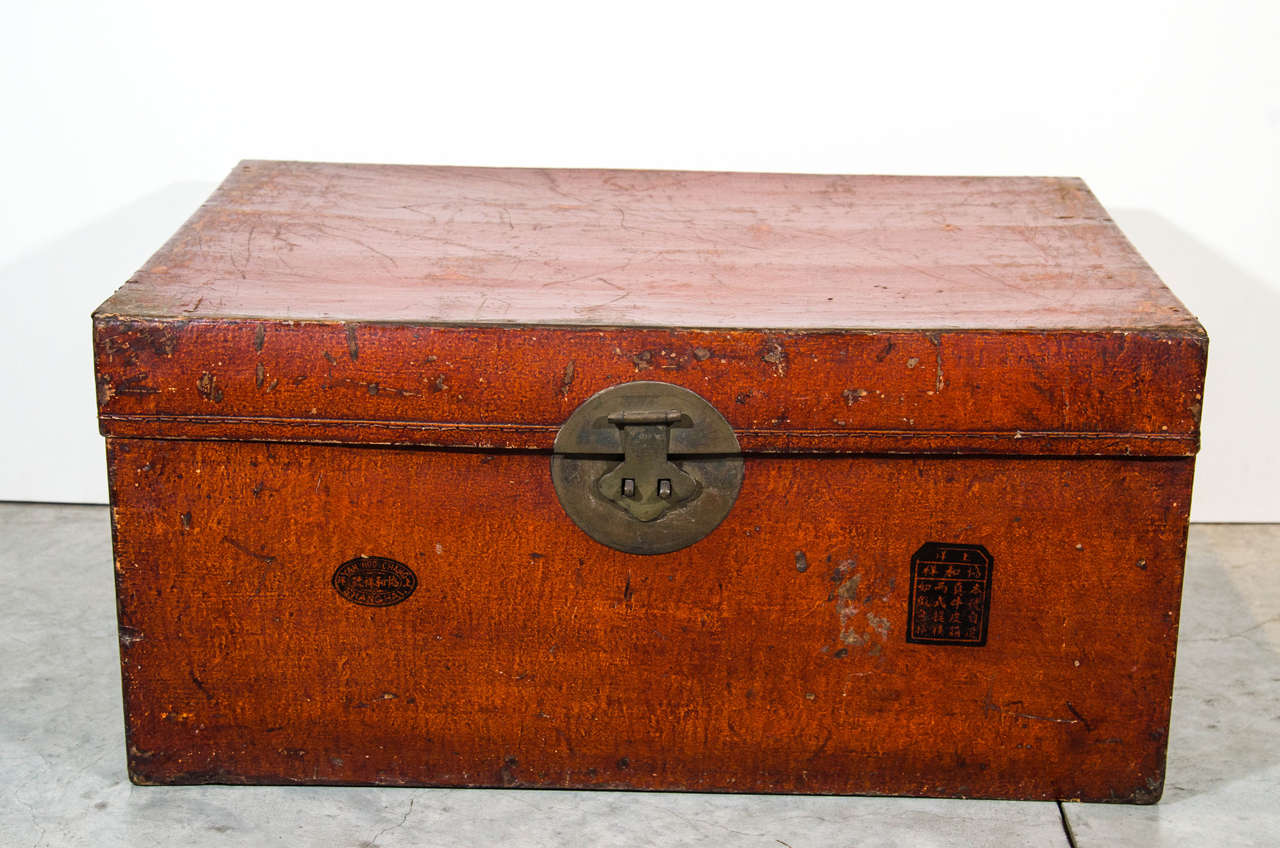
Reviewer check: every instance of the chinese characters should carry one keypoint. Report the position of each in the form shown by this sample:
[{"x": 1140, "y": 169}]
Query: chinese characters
[{"x": 950, "y": 595}]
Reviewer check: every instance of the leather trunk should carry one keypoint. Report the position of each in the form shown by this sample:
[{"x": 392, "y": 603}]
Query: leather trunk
[{"x": 964, "y": 414}]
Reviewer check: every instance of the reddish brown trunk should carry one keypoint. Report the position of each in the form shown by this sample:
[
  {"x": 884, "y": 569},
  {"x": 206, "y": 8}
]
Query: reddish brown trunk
[{"x": 969, "y": 414}]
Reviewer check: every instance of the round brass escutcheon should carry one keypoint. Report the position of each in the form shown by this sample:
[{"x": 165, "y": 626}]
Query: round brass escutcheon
[{"x": 646, "y": 467}]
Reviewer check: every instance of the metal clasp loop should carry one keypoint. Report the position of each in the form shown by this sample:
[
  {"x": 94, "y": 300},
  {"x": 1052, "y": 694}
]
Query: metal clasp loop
[{"x": 647, "y": 483}]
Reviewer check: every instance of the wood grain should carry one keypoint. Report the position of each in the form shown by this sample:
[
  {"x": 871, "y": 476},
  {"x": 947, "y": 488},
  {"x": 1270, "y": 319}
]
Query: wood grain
[
  {"x": 1130, "y": 393},
  {"x": 531, "y": 656}
]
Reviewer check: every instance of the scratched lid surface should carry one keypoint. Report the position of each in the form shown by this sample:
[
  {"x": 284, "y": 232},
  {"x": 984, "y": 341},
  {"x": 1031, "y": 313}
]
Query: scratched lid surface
[{"x": 436, "y": 245}]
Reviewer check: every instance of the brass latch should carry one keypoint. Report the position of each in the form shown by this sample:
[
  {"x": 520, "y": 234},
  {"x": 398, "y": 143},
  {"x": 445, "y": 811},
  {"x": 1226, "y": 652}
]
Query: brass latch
[
  {"x": 647, "y": 483},
  {"x": 646, "y": 467}
]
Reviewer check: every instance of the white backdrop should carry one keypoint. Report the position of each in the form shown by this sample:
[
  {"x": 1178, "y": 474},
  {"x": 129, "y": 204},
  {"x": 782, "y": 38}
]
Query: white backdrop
[{"x": 119, "y": 118}]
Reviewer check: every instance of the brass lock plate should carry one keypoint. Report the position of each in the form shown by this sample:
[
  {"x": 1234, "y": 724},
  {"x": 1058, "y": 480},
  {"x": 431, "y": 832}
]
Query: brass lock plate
[{"x": 646, "y": 467}]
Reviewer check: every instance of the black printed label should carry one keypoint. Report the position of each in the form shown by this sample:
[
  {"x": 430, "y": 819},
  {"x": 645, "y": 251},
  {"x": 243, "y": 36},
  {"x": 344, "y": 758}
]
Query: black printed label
[
  {"x": 373, "y": 581},
  {"x": 950, "y": 595}
]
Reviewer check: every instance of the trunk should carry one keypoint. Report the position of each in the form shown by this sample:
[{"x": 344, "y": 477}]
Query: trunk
[{"x": 727, "y": 482}]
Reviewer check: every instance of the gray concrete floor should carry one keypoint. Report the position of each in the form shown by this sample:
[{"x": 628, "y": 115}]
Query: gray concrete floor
[{"x": 62, "y": 777}]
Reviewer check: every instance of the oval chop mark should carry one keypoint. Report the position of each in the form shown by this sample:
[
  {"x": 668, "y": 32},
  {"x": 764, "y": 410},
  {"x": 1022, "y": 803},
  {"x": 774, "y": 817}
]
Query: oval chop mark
[{"x": 374, "y": 581}]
